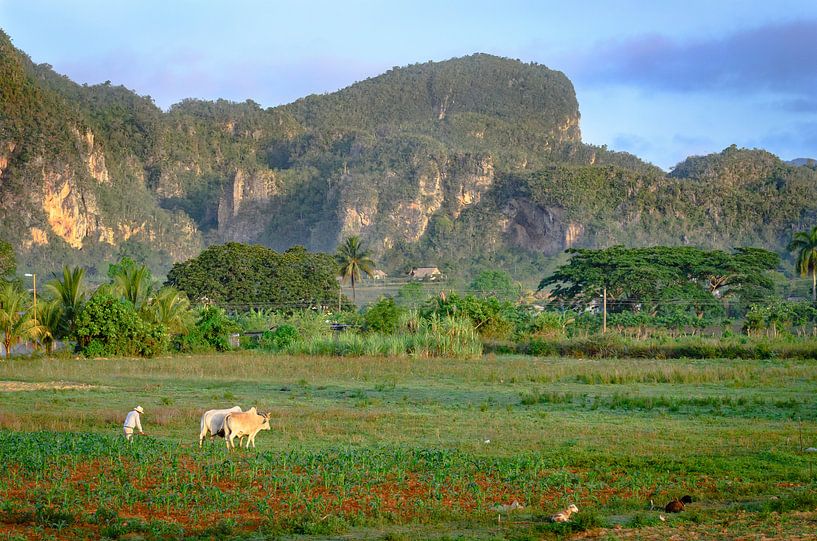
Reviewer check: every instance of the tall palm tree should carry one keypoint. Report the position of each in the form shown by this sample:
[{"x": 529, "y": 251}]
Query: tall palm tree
[
  {"x": 353, "y": 259},
  {"x": 16, "y": 322},
  {"x": 71, "y": 293},
  {"x": 805, "y": 244},
  {"x": 170, "y": 308},
  {"x": 134, "y": 284},
  {"x": 49, "y": 317}
]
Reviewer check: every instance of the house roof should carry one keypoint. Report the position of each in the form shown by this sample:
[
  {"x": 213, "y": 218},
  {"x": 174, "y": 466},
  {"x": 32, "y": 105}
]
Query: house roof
[{"x": 421, "y": 272}]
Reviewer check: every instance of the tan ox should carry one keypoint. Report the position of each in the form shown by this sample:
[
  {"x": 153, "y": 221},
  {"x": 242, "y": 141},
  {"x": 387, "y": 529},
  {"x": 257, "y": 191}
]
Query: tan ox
[
  {"x": 213, "y": 422},
  {"x": 249, "y": 423}
]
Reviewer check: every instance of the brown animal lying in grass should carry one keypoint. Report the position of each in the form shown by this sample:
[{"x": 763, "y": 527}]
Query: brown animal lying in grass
[
  {"x": 676, "y": 506},
  {"x": 564, "y": 516}
]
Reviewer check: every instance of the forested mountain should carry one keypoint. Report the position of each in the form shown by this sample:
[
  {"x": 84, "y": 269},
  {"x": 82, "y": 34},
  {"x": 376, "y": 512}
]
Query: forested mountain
[{"x": 467, "y": 163}]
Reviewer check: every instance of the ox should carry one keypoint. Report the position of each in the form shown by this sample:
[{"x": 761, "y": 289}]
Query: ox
[
  {"x": 213, "y": 422},
  {"x": 248, "y": 424}
]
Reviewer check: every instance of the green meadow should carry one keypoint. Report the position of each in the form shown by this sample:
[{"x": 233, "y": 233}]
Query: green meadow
[{"x": 404, "y": 448}]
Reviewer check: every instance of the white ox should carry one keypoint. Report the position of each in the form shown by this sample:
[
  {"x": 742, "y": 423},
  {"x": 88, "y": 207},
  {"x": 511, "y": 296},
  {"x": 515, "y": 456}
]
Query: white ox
[
  {"x": 248, "y": 423},
  {"x": 213, "y": 422}
]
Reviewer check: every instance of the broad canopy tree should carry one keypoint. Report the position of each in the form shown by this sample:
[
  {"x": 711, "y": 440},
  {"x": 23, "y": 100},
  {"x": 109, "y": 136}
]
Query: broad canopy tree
[
  {"x": 662, "y": 279},
  {"x": 239, "y": 276}
]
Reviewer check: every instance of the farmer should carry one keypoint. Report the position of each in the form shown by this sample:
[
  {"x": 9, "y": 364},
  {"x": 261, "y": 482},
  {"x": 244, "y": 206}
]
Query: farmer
[{"x": 133, "y": 421}]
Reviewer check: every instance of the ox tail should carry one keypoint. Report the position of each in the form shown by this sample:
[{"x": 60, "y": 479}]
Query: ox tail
[
  {"x": 203, "y": 429},
  {"x": 225, "y": 429}
]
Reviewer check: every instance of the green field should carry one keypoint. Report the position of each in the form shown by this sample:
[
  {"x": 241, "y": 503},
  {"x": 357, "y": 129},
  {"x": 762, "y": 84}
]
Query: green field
[{"x": 410, "y": 448}]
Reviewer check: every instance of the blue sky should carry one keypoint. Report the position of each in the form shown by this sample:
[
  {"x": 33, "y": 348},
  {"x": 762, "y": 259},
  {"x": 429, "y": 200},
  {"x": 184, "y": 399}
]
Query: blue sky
[{"x": 663, "y": 80}]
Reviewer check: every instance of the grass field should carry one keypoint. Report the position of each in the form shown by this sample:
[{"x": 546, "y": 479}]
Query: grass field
[{"x": 410, "y": 448}]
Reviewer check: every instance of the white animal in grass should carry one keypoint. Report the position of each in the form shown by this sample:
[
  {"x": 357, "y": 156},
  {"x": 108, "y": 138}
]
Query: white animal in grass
[
  {"x": 212, "y": 421},
  {"x": 564, "y": 516},
  {"x": 248, "y": 423}
]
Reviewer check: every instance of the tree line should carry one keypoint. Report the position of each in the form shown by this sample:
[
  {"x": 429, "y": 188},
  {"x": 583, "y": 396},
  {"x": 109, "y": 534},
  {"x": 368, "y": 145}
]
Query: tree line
[{"x": 202, "y": 301}]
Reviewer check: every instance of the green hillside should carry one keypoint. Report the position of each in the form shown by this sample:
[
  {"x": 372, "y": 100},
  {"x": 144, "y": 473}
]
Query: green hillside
[{"x": 464, "y": 164}]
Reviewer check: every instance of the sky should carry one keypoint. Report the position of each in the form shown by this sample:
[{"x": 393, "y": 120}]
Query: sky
[{"x": 660, "y": 79}]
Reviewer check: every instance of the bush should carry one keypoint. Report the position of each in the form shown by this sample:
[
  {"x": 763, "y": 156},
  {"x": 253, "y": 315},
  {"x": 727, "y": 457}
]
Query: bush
[
  {"x": 310, "y": 324},
  {"x": 383, "y": 316},
  {"x": 540, "y": 348},
  {"x": 213, "y": 328},
  {"x": 491, "y": 318},
  {"x": 281, "y": 338},
  {"x": 192, "y": 342},
  {"x": 108, "y": 326}
]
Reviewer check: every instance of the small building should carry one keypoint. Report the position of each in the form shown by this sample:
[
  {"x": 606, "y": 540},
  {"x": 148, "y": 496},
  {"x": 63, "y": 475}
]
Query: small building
[
  {"x": 425, "y": 273},
  {"x": 378, "y": 274}
]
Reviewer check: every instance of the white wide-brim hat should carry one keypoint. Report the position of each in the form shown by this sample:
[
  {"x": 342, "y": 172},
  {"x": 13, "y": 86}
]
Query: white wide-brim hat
[{"x": 139, "y": 409}]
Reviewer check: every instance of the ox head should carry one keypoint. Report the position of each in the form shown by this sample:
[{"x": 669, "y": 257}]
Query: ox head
[
  {"x": 573, "y": 508},
  {"x": 265, "y": 423}
]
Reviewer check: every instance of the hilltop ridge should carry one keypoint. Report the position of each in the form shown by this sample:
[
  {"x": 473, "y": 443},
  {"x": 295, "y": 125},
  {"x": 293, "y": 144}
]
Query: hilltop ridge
[{"x": 466, "y": 163}]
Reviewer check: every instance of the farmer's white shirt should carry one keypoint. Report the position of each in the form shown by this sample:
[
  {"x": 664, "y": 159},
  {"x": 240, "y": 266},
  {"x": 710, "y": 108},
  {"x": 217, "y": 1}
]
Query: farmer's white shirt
[{"x": 132, "y": 420}]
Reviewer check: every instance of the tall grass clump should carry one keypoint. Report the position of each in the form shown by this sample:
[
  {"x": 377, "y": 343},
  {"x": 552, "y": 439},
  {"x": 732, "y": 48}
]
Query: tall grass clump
[
  {"x": 437, "y": 336},
  {"x": 446, "y": 336}
]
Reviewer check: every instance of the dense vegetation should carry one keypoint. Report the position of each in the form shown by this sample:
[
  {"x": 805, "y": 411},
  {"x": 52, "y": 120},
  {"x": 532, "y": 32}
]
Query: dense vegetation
[
  {"x": 239, "y": 276},
  {"x": 660, "y": 301},
  {"x": 468, "y": 164}
]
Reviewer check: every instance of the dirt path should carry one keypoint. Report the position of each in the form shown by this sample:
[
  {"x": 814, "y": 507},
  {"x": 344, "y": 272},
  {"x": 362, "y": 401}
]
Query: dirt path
[{"x": 11, "y": 386}]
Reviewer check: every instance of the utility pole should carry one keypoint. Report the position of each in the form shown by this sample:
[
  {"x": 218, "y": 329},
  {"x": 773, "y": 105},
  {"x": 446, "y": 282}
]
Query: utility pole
[
  {"x": 604, "y": 312},
  {"x": 33, "y": 276},
  {"x": 34, "y": 279}
]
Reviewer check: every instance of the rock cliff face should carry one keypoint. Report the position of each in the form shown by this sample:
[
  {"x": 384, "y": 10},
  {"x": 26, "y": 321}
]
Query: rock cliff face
[
  {"x": 392, "y": 206},
  {"x": 242, "y": 203},
  {"x": 539, "y": 229},
  {"x": 445, "y": 187},
  {"x": 71, "y": 212},
  {"x": 69, "y": 206},
  {"x": 451, "y": 163},
  {"x": 93, "y": 157}
]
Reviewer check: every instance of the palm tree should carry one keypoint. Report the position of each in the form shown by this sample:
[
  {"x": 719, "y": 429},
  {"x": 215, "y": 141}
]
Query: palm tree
[
  {"x": 49, "y": 317},
  {"x": 805, "y": 244},
  {"x": 170, "y": 308},
  {"x": 353, "y": 259},
  {"x": 16, "y": 322},
  {"x": 70, "y": 291},
  {"x": 134, "y": 284}
]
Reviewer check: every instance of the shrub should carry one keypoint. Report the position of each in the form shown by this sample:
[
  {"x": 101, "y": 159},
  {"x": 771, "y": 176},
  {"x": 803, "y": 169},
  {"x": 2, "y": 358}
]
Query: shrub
[
  {"x": 108, "y": 326},
  {"x": 257, "y": 320},
  {"x": 213, "y": 328},
  {"x": 281, "y": 338},
  {"x": 192, "y": 342},
  {"x": 310, "y": 324},
  {"x": 491, "y": 318},
  {"x": 540, "y": 348},
  {"x": 550, "y": 324},
  {"x": 383, "y": 316}
]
